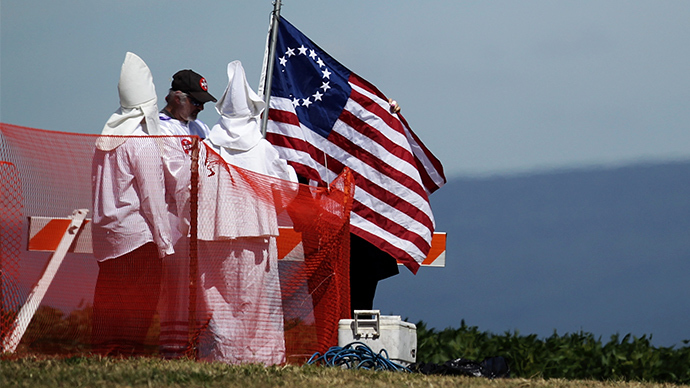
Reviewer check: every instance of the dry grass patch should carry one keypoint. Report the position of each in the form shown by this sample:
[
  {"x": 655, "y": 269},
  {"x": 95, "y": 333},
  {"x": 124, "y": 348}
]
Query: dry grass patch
[{"x": 108, "y": 372}]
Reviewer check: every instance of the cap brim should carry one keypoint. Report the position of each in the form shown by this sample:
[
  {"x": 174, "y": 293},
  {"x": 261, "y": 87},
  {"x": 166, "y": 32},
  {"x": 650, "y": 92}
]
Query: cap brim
[{"x": 203, "y": 97}]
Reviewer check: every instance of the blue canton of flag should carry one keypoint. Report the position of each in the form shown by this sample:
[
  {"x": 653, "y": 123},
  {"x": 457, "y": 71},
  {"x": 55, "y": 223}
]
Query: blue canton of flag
[
  {"x": 323, "y": 118},
  {"x": 316, "y": 84}
]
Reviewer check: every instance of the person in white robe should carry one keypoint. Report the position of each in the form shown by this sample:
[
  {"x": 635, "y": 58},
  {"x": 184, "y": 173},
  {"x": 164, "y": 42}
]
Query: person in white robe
[
  {"x": 130, "y": 227},
  {"x": 240, "y": 308}
]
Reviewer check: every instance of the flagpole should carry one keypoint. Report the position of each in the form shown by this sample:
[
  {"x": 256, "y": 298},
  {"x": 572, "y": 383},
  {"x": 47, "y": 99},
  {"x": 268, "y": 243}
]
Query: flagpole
[{"x": 271, "y": 62}]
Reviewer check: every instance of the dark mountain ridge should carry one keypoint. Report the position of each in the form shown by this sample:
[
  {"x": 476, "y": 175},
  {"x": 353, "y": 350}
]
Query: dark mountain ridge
[{"x": 603, "y": 250}]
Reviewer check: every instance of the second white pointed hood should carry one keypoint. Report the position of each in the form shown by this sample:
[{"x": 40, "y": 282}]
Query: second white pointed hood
[
  {"x": 239, "y": 126},
  {"x": 137, "y": 102}
]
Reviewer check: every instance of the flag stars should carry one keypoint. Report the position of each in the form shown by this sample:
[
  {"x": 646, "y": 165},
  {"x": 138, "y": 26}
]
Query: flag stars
[{"x": 321, "y": 92}]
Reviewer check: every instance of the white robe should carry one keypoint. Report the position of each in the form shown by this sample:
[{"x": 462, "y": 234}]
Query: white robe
[
  {"x": 129, "y": 206},
  {"x": 241, "y": 312},
  {"x": 238, "y": 267}
]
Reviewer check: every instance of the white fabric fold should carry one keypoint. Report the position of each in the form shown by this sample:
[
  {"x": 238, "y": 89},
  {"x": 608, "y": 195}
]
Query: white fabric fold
[
  {"x": 237, "y": 134},
  {"x": 138, "y": 102},
  {"x": 239, "y": 126}
]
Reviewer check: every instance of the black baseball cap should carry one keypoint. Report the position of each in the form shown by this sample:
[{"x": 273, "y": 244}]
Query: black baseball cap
[{"x": 192, "y": 83}]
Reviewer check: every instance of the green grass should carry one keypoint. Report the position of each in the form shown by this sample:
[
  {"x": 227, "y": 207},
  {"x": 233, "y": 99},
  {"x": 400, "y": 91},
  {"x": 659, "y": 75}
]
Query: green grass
[
  {"x": 143, "y": 372},
  {"x": 569, "y": 356},
  {"x": 557, "y": 359}
]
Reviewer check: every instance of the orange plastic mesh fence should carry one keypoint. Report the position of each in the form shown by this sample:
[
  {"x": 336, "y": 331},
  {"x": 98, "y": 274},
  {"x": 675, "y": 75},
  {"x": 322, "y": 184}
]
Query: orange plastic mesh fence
[
  {"x": 181, "y": 254},
  {"x": 10, "y": 245}
]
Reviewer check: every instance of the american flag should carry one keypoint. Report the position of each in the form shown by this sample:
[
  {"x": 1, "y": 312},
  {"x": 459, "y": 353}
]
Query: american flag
[{"x": 323, "y": 117}]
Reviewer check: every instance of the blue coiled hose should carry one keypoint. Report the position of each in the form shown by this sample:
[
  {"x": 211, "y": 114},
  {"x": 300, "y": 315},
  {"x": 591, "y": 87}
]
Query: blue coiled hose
[{"x": 356, "y": 355}]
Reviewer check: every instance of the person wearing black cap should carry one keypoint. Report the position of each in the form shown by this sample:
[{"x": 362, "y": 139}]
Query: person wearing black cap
[{"x": 186, "y": 98}]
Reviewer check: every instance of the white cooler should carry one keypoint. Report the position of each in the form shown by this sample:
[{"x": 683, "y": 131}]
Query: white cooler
[{"x": 388, "y": 332}]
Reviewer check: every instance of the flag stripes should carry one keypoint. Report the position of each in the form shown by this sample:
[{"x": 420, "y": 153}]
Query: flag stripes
[
  {"x": 323, "y": 118},
  {"x": 390, "y": 207}
]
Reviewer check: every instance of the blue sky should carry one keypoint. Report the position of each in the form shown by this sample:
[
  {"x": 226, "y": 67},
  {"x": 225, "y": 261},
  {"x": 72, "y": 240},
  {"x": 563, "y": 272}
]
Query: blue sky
[{"x": 491, "y": 87}]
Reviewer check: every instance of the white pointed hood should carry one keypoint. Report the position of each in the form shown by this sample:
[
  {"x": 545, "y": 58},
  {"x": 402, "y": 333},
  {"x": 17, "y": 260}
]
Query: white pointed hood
[
  {"x": 239, "y": 126},
  {"x": 137, "y": 101}
]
